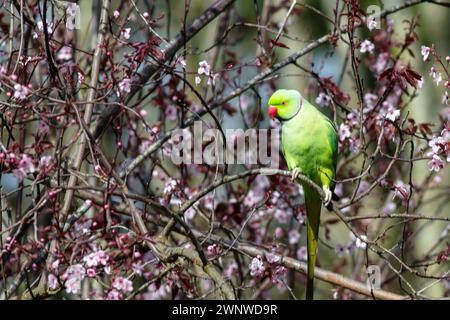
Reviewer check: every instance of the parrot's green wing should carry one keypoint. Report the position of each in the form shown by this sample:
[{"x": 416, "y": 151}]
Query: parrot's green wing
[{"x": 332, "y": 139}]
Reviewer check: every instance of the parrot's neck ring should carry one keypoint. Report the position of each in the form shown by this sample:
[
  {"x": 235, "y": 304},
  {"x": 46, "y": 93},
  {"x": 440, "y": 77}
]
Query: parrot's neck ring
[{"x": 296, "y": 112}]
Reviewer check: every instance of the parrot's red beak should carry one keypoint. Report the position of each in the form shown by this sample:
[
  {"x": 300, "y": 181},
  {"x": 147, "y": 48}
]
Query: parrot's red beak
[{"x": 272, "y": 112}]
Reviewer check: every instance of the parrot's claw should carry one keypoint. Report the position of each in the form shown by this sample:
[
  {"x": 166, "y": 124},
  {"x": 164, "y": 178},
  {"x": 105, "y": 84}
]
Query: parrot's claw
[
  {"x": 296, "y": 172},
  {"x": 328, "y": 196}
]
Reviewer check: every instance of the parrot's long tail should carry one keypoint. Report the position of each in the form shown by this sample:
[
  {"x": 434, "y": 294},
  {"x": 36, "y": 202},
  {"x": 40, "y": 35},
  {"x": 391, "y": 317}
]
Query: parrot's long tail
[{"x": 313, "y": 207}]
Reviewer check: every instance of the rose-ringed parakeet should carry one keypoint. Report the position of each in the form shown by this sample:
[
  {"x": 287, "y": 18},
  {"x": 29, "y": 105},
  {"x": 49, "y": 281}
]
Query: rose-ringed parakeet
[{"x": 310, "y": 146}]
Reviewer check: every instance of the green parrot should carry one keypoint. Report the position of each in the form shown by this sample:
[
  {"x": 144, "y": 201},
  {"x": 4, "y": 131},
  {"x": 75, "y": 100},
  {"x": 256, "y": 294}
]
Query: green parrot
[{"x": 310, "y": 146}]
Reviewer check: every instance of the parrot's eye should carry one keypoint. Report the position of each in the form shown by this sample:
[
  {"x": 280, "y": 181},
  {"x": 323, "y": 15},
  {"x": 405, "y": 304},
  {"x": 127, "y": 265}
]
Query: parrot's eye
[{"x": 283, "y": 103}]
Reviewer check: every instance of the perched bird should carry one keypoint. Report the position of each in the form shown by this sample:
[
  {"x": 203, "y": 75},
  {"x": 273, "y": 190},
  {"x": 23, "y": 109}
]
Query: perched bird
[{"x": 310, "y": 146}]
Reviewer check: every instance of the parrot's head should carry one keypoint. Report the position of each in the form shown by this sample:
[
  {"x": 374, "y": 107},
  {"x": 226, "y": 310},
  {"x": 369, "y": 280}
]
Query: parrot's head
[{"x": 284, "y": 104}]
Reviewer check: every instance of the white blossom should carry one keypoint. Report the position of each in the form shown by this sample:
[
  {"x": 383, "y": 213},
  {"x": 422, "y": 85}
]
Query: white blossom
[
  {"x": 392, "y": 114},
  {"x": 124, "y": 86},
  {"x": 445, "y": 98},
  {"x": 371, "y": 23},
  {"x": 323, "y": 100},
  {"x": 126, "y": 33},
  {"x": 366, "y": 46},
  {"x": 65, "y": 53},
  {"x": 425, "y": 51},
  {"x": 20, "y": 92}
]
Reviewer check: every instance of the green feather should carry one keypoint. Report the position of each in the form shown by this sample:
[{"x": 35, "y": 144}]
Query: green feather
[{"x": 309, "y": 142}]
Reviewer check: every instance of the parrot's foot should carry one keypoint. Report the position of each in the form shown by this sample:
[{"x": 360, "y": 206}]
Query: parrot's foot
[
  {"x": 328, "y": 196},
  {"x": 296, "y": 172}
]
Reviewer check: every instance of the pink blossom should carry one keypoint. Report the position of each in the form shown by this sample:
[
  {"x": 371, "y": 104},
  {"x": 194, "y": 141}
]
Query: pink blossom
[
  {"x": 436, "y": 163},
  {"x": 138, "y": 268},
  {"x": 114, "y": 295},
  {"x": 26, "y": 163},
  {"x": 116, "y": 14},
  {"x": 281, "y": 216},
  {"x": 272, "y": 258},
  {"x": 437, "y": 144},
  {"x": 252, "y": 198},
  {"x": 212, "y": 250},
  {"x": 370, "y": 100},
  {"x": 354, "y": 145},
  {"x": 293, "y": 236},
  {"x": 279, "y": 232},
  {"x": 90, "y": 272},
  {"x": 52, "y": 281},
  {"x": 382, "y": 62},
  {"x": 73, "y": 286},
  {"x": 171, "y": 112},
  {"x": 344, "y": 132},
  {"x": 73, "y": 276},
  {"x": 302, "y": 253},
  {"x": 24, "y": 167},
  {"x": 277, "y": 274},
  {"x": 257, "y": 267},
  {"x": 96, "y": 258},
  {"x": 123, "y": 284}
]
